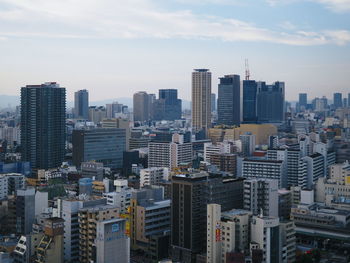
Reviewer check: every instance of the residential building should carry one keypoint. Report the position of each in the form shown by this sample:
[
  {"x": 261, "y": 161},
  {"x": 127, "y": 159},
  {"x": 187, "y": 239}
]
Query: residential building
[
  {"x": 25, "y": 210},
  {"x": 211, "y": 148},
  {"x": 153, "y": 176},
  {"x": 261, "y": 196},
  {"x": 201, "y": 100},
  {"x": 43, "y": 125},
  {"x": 248, "y": 144},
  {"x": 225, "y": 162}
]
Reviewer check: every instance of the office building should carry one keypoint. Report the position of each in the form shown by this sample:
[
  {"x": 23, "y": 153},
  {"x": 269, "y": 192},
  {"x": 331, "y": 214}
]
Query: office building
[
  {"x": 50, "y": 248},
  {"x": 141, "y": 106},
  {"x": 190, "y": 195},
  {"x": 201, "y": 100},
  {"x": 265, "y": 169},
  {"x": 25, "y": 210},
  {"x": 168, "y": 106},
  {"x": 250, "y": 89},
  {"x": 97, "y": 114},
  {"x": 113, "y": 109},
  {"x": 213, "y": 102},
  {"x": 43, "y": 125},
  {"x": 88, "y": 219},
  {"x": 112, "y": 244},
  {"x": 85, "y": 186},
  {"x": 81, "y": 104},
  {"x": 104, "y": 145},
  {"x": 302, "y": 101},
  {"x": 119, "y": 198},
  {"x": 270, "y": 102},
  {"x": 337, "y": 100},
  {"x": 93, "y": 170},
  {"x": 118, "y": 123},
  {"x": 265, "y": 233},
  {"x": 229, "y": 106},
  {"x": 315, "y": 168},
  {"x": 261, "y": 196}
]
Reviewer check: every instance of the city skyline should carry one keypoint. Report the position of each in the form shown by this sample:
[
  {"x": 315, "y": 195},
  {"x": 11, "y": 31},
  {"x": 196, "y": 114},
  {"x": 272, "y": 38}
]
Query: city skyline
[{"x": 102, "y": 46}]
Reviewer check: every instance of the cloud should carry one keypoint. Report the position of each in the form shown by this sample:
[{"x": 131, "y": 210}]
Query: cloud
[
  {"x": 136, "y": 19},
  {"x": 339, "y": 6}
]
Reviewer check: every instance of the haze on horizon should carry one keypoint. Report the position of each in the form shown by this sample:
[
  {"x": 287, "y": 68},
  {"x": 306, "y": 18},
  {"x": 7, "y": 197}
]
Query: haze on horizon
[{"x": 114, "y": 48}]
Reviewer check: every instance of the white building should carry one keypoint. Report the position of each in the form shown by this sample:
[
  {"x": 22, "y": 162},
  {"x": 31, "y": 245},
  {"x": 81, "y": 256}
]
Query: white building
[
  {"x": 211, "y": 148},
  {"x": 261, "y": 196},
  {"x": 153, "y": 175},
  {"x": 265, "y": 232},
  {"x": 119, "y": 199}
]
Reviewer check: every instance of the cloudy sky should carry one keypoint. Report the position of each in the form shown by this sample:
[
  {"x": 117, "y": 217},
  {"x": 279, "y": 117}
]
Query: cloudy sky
[{"x": 114, "y": 48}]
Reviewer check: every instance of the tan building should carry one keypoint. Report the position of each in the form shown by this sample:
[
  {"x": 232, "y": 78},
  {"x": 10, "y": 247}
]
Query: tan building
[
  {"x": 226, "y": 162},
  {"x": 50, "y": 248},
  {"x": 261, "y": 132},
  {"x": 119, "y": 123},
  {"x": 141, "y": 106},
  {"x": 88, "y": 219},
  {"x": 201, "y": 99}
]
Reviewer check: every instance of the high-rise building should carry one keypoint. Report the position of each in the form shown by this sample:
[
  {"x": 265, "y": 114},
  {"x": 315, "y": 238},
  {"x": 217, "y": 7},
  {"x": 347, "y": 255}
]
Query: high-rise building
[
  {"x": 141, "y": 106},
  {"x": 190, "y": 196},
  {"x": 168, "y": 106},
  {"x": 337, "y": 100},
  {"x": 213, "y": 102},
  {"x": 270, "y": 102},
  {"x": 261, "y": 196},
  {"x": 118, "y": 123},
  {"x": 349, "y": 100},
  {"x": 97, "y": 114},
  {"x": 248, "y": 144},
  {"x": 211, "y": 148},
  {"x": 43, "y": 120},
  {"x": 250, "y": 89},
  {"x": 105, "y": 145},
  {"x": 201, "y": 99},
  {"x": 113, "y": 108},
  {"x": 302, "y": 101},
  {"x": 229, "y": 106},
  {"x": 81, "y": 104}
]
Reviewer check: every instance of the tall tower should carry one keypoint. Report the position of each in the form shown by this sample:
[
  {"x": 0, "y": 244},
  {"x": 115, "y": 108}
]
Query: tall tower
[
  {"x": 201, "y": 99},
  {"x": 229, "y": 106},
  {"x": 81, "y": 104},
  {"x": 337, "y": 100},
  {"x": 250, "y": 89},
  {"x": 302, "y": 101},
  {"x": 141, "y": 106},
  {"x": 43, "y": 130}
]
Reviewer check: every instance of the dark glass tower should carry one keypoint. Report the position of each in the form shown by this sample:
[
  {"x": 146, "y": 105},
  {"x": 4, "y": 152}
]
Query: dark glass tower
[
  {"x": 337, "y": 100},
  {"x": 270, "y": 102},
  {"x": 43, "y": 132},
  {"x": 81, "y": 104},
  {"x": 168, "y": 106},
  {"x": 229, "y": 100},
  {"x": 302, "y": 100},
  {"x": 250, "y": 89}
]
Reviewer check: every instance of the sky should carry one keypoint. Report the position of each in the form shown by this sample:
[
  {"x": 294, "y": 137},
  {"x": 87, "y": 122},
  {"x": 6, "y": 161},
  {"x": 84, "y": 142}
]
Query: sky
[{"x": 115, "y": 48}]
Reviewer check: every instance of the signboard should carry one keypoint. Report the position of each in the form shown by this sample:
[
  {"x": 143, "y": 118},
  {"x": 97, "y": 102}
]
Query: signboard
[
  {"x": 115, "y": 228},
  {"x": 218, "y": 232}
]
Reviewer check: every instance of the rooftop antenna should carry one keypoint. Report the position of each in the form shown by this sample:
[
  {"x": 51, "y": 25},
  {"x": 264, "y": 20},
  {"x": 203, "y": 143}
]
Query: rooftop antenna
[{"x": 247, "y": 73}]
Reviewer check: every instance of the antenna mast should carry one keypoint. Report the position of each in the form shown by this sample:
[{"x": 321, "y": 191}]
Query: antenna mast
[{"x": 247, "y": 73}]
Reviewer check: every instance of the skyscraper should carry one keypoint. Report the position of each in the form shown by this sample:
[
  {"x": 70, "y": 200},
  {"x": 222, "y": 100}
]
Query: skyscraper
[
  {"x": 337, "y": 100},
  {"x": 270, "y": 102},
  {"x": 43, "y": 130},
  {"x": 302, "y": 100},
  {"x": 168, "y": 106},
  {"x": 229, "y": 106},
  {"x": 141, "y": 106},
  {"x": 213, "y": 102},
  {"x": 81, "y": 104},
  {"x": 349, "y": 100},
  {"x": 201, "y": 99},
  {"x": 250, "y": 89}
]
